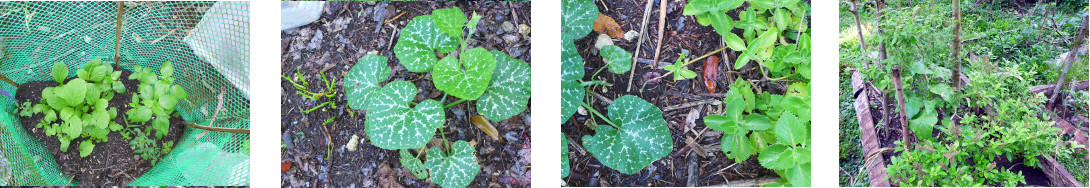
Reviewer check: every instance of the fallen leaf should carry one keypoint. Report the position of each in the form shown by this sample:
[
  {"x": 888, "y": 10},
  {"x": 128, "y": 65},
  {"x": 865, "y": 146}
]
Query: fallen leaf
[
  {"x": 690, "y": 119},
  {"x": 711, "y": 72},
  {"x": 284, "y": 166},
  {"x": 605, "y": 25},
  {"x": 485, "y": 126}
]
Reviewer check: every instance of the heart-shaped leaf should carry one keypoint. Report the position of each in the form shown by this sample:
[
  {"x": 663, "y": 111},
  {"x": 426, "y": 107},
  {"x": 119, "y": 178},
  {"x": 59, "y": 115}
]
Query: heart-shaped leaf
[
  {"x": 363, "y": 80},
  {"x": 923, "y": 125},
  {"x": 643, "y": 136},
  {"x": 418, "y": 42},
  {"x": 455, "y": 169},
  {"x": 619, "y": 60},
  {"x": 86, "y": 147},
  {"x": 469, "y": 83},
  {"x": 392, "y": 124},
  {"x": 577, "y": 18},
  {"x": 571, "y": 71},
  {"x": 450, "y": 21},
  {"x": 510, "y": 89},
  {"x": 413, "y": 164}
]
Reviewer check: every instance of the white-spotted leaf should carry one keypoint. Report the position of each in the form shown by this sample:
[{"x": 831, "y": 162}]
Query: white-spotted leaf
[
  {"x": 455, "y": 169},
  {"x": 363, "y": 80},
  {"x": 413, "y": 164},
  {"x": 392, "y": 124},
  {"x": 418, "y": 42},
  {"x": 571, "y": 71},
  {"x": 643, "y": 136},
  {"x": 510, "y": 89},
  {"x": 577, "y": 17},
  {"x": 470, "y": 82},
  {"x": 450, "y": 21},
  {"x": 564, "y": 166}
]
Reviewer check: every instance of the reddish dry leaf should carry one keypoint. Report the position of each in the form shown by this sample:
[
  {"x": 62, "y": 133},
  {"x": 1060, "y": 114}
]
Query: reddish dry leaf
[
  {"x": 605, "y": 25},
  {"x": 711, "y": 72},
  {"x": 485, "y": 126},
  {"x": 284, "y": 166}
]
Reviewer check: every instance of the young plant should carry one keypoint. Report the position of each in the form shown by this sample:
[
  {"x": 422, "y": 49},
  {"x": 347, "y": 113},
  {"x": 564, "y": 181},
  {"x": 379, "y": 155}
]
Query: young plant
[
  {"x": 81, "y": 105},
  {"x": 456, "y": 168},
  {"x": 155, "y": 99}
]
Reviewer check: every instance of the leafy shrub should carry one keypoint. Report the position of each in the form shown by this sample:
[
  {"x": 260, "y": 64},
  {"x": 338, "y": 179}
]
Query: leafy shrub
[{"x": 80, "y": 107}]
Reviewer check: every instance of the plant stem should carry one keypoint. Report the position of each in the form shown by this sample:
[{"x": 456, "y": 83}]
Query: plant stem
[
  {"x": 595, "y": 112},
  {"x": 443, "y": 133},
  {"x": 316, "y": 107},
  {"x": 596, "y": 82},
  {"x": 454, "y": 103}
]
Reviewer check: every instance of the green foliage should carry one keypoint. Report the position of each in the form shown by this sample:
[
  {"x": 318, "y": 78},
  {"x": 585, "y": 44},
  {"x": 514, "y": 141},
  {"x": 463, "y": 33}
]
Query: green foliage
[
  {"x": 509, "y": 92},
  {"x": 565, "y": 168},
  {"x": 679, "y": 69},
  {"x": 418, "y": 42},
  {"x": 577, "y": 17},
  {"x": 60, "y": 72},
  {"x": 468, "y": 83},
  {"x": 363, "y": 80},
  {"x": 640, "y": 138},
  {"x": 619, "y": 60},
  {"x": 571, "y": 72},
  {"x": 413, "y": 164},
  {"x": 393, "y": 124},
  {"x": 456, "y": 168},
  {"x": 155, "y": 99},
  {"x": 79, "y": 108}
]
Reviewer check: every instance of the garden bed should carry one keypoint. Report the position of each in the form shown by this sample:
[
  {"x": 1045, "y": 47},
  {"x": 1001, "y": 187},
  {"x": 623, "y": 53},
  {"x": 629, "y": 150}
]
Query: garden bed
[
  {"x": 1051, "y": 173},
  {"x": 317, "y": 152},
  {"x": 111, "y": 163}
]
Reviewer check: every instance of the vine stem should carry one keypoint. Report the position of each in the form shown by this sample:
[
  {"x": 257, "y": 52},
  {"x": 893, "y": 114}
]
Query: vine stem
[
  {"x": 443, "y": 132},
  {"x": 595, "y": 82},
  {"x": 316, "y": 107},
  {"x": 460, "y": 101},
  {"x": 595, "y": 112}
]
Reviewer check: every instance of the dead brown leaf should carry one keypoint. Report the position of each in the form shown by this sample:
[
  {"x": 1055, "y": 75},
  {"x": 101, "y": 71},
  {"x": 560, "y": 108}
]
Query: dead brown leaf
[{"x": 605, "y": 25}]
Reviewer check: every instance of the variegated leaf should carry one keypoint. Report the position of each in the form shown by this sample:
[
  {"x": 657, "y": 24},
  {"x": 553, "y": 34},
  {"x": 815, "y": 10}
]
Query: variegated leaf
[
  {"x": 571, "y": 71},
  {"x": 643, "y": 136},
  {"x": 363, "y": 80},
  {"x": 392, "y": 124},
  {"x": 470, "y": 82},
  {"x": 577, "y": 17},
  {"x": 565, "y": 168},
  {"x": 455, "y": 169},
  {"x": 418, "y": 42},
  {"x": 510, "y": 89},
  {"x": 413, "y": 164}
]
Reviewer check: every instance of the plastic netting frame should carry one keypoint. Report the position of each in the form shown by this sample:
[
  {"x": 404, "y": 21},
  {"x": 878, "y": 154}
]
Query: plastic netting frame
[{"x": 207, "y": 42}]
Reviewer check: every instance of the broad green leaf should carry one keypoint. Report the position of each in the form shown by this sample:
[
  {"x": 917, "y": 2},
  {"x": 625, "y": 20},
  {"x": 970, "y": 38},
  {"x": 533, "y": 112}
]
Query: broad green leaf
[
  {"x": 179, "y": 92},
  {"x": 392, "y": 124},
  {"x": 766, "y": 39},
  {"x": 643, "y": 136},
  {"x": 363, "y": 80},
  {"x": 778, "y": 157},
  {"x": 619, "y": 60},
  {"x": 75, "y": 126},
  {"x": 60, "y": 72},
  {"x": 564, "y": 166},
  {"x": 418, "y": 42},
  {"x": 161, "y": 124},
  {"x": 571, "y": 72},
  {"x": 799, "y": 175},
  {"x": 455, "y": 169},
  {"x": 413, "y": 164},
  {"x": 101, "y": 119},
  {"x": 734, "y": 42},
  {"x": 577, "y": 17},
  {"x": 913, "y": 105},
  {"x": 943, "y": 91},
  {"x": 85, "y": 148},
  {"x": 140, "y": 114},
  {"x": 74, "y": 92},
  {"x": 721, "y": 123},
  {"x": 450, "y": 21},
  {"x": 790, "y": 130},
  {"x": 696, "y": 7},
  {"x": 722, "y": 23},
  {"x": 509, "y": 91},
  {"x": 761, "y": 140},
  {"x": 737, "y": 146},
  {"x": 757, "y": 122},
  {"x": 167, "y": 70},
  {"x": 64, "y": 143},
  {"x": 920, "y": 68},
  {"x": 924, "y": 125},
  {"x": 167, "y": 102},
  {"x": 468, "y": 83}
]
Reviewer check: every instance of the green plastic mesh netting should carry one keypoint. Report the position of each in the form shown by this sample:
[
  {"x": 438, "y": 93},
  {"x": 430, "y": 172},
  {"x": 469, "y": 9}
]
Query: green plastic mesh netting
[{"x": 208, "y": 43}]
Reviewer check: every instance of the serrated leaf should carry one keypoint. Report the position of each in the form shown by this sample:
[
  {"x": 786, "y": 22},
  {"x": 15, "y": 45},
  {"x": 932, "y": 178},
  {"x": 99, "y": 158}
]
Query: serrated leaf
[
  {"x": 737, "y": 146},
  {"x": 86, "y": 147},
  {"x": 757, "y": 122},
  {"x": 510, "y": 89},
  {"x": 735, "y": 43},
  {"x": 720, "y": 123},
  {"x": 392, "y": 124},
  {"x": 696, "y": 7},
  {"x": 722, "y": 23},
  {"x": 469, "y": 83},
  {"x": 790, "y": 130},
  {"x": 619, "y": 60},
  {"x": 450, "y": 21},
  {"x": 781, "y": 16},
  {"x": 60, "y": 72},
  {"x": 778, "y": 157},
  {"x": 577, "y": 18},
  {"x": 456, "y": 169},
  {"x": 363, "y": 80},
  {"x": 419, "y": 40},
  {"x": 799, "y": 175},
  {"x": 413, "y": 164},
  {"x": 643, "y": 136}
]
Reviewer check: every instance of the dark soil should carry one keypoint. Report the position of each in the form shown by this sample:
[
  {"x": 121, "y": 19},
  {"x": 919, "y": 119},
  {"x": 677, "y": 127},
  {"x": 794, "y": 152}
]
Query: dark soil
[
  {"x": 681, "y": 32},
  {"x": 349, "y": 31},
  {"x": 110, "y": 163}
]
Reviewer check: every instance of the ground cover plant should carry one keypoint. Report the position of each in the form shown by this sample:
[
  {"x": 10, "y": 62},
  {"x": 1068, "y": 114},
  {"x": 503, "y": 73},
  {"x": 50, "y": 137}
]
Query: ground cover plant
[
  {"x": 950, "y": 86},
  {"x": 81, "y": 112},
  {"x": 430, "y": 99},
  {"x": 674, "y": 126}
]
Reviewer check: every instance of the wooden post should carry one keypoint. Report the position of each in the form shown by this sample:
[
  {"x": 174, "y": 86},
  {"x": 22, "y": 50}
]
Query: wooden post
[
  {"x": 895, "y": 75},
  {"x": 117, "y": 36},
  {"x": 1054, "y": 100}
]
